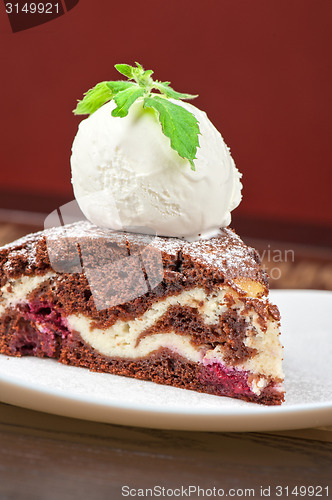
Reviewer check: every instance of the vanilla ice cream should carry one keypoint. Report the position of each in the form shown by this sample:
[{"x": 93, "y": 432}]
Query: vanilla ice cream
[{"x": 126, "y": 176}]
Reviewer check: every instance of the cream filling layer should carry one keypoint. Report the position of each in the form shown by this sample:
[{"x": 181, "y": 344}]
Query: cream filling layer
[
  {"x": 119, "y": 342},
  {"x": 268, "y": 360},
  {"x": 121, "y": 339},
  {"x": 16, "y": 291}
]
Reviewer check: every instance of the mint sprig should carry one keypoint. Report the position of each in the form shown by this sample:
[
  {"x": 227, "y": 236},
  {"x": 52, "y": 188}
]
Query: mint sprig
[{"x": 177, "y": 123}]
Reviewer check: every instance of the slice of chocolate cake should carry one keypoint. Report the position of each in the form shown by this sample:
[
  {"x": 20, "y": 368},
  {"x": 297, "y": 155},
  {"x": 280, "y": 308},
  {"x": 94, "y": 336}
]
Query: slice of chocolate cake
[{"x": 192, "y": 315}]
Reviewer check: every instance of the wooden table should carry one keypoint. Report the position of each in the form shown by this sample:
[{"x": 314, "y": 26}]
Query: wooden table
[{"x": 48, "y": 457}]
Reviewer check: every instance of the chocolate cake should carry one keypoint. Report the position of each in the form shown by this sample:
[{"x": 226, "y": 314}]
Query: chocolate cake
[{"x": 191, "y": 315}]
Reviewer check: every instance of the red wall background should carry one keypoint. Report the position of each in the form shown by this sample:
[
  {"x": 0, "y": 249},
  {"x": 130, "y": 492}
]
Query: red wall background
[{"x": 262, "y": 69}]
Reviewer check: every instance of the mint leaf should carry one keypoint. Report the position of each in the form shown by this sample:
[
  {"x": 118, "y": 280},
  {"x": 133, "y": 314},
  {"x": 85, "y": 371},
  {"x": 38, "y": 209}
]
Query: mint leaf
[
  {"x": 178, "y": 124},
  {"x": 125, "y": 99},
  {"x": 164, "y": 88},
  {"x": 120, "y": 85},
  {"x": 148, "y": 73},
  {"x": 139, "y": 66},
  {"x": 93, "y": 99},
  {"x": 125, "y": 70}
]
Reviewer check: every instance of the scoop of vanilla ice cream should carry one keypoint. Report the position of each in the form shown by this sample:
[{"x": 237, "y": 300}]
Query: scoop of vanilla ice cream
[{"x": 125, "y": 175}]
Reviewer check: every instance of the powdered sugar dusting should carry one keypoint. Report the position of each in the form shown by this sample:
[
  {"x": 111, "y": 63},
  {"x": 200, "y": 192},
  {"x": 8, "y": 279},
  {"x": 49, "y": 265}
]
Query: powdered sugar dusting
[
  {"x": 24, "y": 249},
  {"x": 226, "y": 252}
]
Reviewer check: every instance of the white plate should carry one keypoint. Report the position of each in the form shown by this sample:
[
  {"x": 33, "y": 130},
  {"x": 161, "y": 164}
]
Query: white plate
[{"x": 49, "y": 386}]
